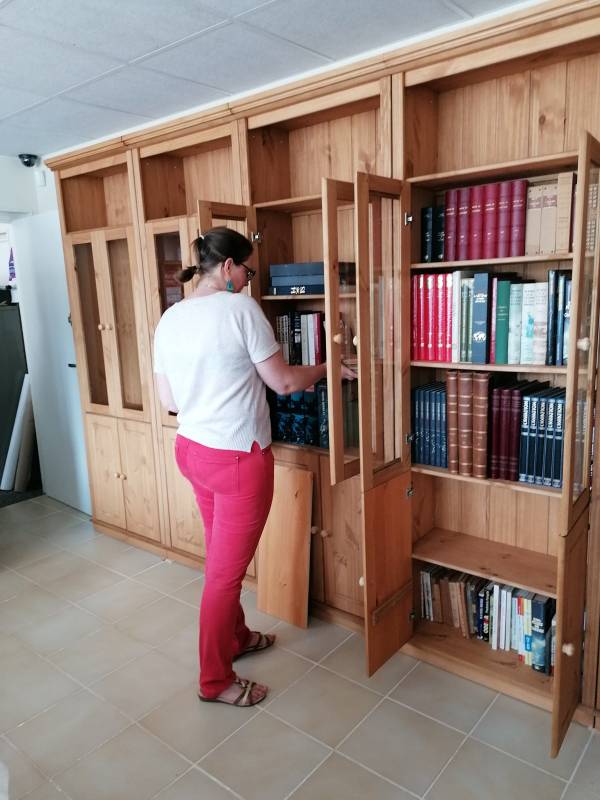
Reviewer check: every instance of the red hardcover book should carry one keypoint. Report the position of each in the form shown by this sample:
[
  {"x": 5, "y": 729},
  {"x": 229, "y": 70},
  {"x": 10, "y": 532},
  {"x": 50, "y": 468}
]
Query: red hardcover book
[
  {"x": 448, "y": 336},
  {"x": 495, "y": 452},
  {"x": 504, "y": 218},
  {"x": 514, "y": 434},
  {"x": 505, "y": 407},
  {"x": 462, "y": 224},
  {"x": 451, "y": 212},
  {"x": 493, "y": 321},
  {"x": 422, "y": 318},
  {"x": 431, "y": 316},
  {"x": 414, "y": 319},
  {"x": 440, "y": 320},
  {"x": 490, "y": 220},
  {"x": 517, "y": 217},
  {"x": 318, "y": 334},
  {"x": 476, "y": 223}
]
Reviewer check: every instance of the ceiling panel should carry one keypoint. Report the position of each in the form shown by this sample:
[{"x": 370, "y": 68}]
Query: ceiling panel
[
  {"x": 234, "y": 58},
  {"x": 12, "y": 100},
  {"x": 15, "y": 139},
  {"x": 480, "y": 7},
  {"x": 37, "y": 65},
  {"x": 123, "y": 29},
  {"x": 233, "y": 7},
  {"x": 343, "y": 28},
  {"x": 143, "y": 91}
]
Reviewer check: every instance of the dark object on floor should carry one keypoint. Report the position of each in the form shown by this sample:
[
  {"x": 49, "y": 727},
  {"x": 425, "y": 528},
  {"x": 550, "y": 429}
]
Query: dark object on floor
[{"x": 9, "y": 498}]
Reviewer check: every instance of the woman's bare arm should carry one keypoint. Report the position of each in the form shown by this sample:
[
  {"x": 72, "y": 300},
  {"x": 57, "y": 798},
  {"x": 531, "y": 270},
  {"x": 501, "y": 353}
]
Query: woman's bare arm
[
  {"x": 166, "y": 394},
  {"x": 284, "y": 378}
]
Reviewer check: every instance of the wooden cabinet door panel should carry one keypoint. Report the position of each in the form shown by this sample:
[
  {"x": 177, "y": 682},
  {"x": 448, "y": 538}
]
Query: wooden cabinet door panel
[
  {"x": 139, "y": 479},
  {"x": 105, "y": 470},
  {"x": 187, "y": 528}
]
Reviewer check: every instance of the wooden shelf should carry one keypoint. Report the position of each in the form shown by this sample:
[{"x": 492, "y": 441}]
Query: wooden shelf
[
  {"x": 463, "y": 365},
  {"x": 288, "y": 297},
  {"x": 310, "y": 202},
  {"x": 492, "y": 262},
  {"x": 503, "y": 563},
  {"x": 508, "y": 169},
  {"x": 501, "y": 670},
  {"x": 517, "y": 486}
]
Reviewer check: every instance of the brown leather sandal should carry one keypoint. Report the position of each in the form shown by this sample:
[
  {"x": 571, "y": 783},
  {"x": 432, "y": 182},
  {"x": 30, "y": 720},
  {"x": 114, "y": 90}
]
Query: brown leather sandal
[
  {"x": 264, "y": 641},
  {"x": 244, "y": 698}
]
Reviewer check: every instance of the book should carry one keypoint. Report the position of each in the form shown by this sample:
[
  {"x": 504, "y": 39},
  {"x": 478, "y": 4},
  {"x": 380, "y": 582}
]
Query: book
[
  {"x": 490, "y": 220},
  {"x": 452, "y": 419},
  {"x": 427, "y": 234},
  {"x": 300, "y": 268},
  {"x": 504, "y": 218},
  {"x": 515, "y": 319},
  {"x": 450, "y": 218},
  {"x": 438, "y": 233},
  {"x": 566, "y": 321},
  {"x": 557, "y": 456},
  {"x": 564, "y": 211},
  {"x": 476, "y": 200},
  {"x": 534, "y": 321},
  {"x": 517, "y": 217},
  {"x": 465, "y": 423},
  {"x": 502, "y": 321},
  {"x": 548, "y": 220},
  {"x": 533, "y": 220},
  {"x": 297, "y": 288},
  {"x": 560, "y": 318},
  {"x": 480, "y": 318},
  {"x": 462, "y": 224},
  {"x": 551, "y": 316},
  {"x": 481, "y": 381}
]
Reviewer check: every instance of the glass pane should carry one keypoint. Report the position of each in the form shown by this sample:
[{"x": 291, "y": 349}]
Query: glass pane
[
  {"x": 168, "y": 259},
  {"x": 586, "y": 359},
  {"x": 119, "y": 267},
  {"x": 347, "y": 327},
  {"x": 90, "y": 317}
]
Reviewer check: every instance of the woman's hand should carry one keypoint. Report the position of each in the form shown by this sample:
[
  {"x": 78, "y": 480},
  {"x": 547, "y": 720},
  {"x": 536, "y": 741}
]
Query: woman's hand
[{"x": 348, "y": 374}]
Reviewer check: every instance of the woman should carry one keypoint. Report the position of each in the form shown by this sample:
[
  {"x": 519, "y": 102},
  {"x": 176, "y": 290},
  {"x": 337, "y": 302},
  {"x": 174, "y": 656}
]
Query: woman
[{"x": 213, "y": 354}]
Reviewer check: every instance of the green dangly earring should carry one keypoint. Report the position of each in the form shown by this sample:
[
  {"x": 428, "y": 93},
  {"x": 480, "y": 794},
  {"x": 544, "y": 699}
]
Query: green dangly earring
[{"x": 229, "y": 285}]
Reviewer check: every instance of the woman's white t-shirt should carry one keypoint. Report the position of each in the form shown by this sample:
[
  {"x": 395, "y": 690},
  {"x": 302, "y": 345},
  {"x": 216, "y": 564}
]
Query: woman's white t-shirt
[{"x": 207, "y": 348}]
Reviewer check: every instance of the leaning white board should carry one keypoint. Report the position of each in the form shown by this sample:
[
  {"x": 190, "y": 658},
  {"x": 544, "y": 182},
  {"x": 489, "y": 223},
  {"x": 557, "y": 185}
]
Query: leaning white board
[
  {"x": 23, "y": 471},
  {"x": 12, "y": 457}
]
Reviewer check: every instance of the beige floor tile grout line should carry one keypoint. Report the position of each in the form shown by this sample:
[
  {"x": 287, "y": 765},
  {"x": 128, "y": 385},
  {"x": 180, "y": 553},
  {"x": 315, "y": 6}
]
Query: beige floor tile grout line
[{"x": 578, "y": 764}]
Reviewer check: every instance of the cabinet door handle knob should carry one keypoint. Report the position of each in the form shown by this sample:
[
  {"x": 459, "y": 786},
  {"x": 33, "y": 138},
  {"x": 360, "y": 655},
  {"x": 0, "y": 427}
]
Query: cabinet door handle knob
[
  {"x": 583, "y": 344},
  {"x": 325, "y": 534},
  {"x": 314, "y": 530},
  {"x": 108, "y": 327},
  {"x": 361, "y": 581},
  {"x": 568, "y": 649},
  {"x": 123, "y": 476},
  {"x": 338, "y": 338},
  {"x": 117, "y": 475},
  {"x": 355, "y": 341},
  {"x": 100, "y": 327}
]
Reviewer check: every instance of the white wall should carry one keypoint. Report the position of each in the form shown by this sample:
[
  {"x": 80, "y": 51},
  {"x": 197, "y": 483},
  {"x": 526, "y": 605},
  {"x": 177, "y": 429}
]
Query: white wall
[
  {"x": 44, "y": 306},
  {"x": 17, "y": 187}
]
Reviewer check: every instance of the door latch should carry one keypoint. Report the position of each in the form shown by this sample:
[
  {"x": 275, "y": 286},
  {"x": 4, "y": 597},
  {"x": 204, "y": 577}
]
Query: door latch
[
  {"x": 408, "y": 218},
  {"x": 256, "y": 236},
  {"x": 410, "y": 491}
]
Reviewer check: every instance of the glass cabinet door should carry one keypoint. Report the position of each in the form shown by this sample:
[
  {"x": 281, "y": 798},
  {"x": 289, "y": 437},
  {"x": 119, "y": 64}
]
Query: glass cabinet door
[{"x": 582, "y": 359}]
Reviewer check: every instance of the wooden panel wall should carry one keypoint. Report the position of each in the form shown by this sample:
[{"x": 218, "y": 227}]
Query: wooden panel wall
[{"x": 208, "y": 176}]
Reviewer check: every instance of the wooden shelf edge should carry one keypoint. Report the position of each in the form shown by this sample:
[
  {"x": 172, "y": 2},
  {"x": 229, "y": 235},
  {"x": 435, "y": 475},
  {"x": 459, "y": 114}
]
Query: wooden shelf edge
[
  {"x": 310, "y": 202},
  {"x": 492, "y": 262},
  {"x": 463, "y": 365},
  {"x": 517, "y": 486},
  {"x": 288, "y": 297},
  {"x": 484, "y": 558}
]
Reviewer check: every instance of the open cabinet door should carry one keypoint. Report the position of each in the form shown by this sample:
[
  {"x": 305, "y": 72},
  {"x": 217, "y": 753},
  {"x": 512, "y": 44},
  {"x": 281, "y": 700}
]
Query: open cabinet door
[{"x": 382, "y": 336}]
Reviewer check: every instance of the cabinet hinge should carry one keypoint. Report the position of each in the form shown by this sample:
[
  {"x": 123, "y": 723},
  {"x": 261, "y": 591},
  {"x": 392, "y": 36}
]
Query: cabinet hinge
[
  {"x": 408, "y": 218},
  {"x": 256, "y": 236},
  {"x": 410, "y": 491},
  {"x": 410, "y": 438},
  {"x": 412, "y": 616}
]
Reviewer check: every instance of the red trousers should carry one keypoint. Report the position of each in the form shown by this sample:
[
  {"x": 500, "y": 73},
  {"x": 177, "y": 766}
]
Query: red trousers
[{"x": 234, "y": 491}]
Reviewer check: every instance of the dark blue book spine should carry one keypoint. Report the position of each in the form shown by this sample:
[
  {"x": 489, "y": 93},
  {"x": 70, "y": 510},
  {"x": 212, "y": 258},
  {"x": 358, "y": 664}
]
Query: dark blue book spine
[
  {"x": 549, "y": 442},
  {"x": 322, "y": 415},
  {"x": 557, "y": 461},
  {"x": 524, "y": 443},
  {"x": 560, "y": 319},
  {"x": 540, "y": 628},
  {"x": 427, "y": 234},
  {"x": 301, "y": 268},
  {"x": 297, "y": 289},
  {"x": 423, "y": 430},
  {"x": 551, "y": 329},
  {"x": 443, "y": 432},
  {"x": 533, "y": 420},
  {"x": 539, "y": 442},
  {"x": 567, "y": 320},
  {"x": 439, "y": 214},
  {"x": 481, "y": 317},
  {"x": 293, "y": 280},
  {"x": 428, "y": 425},
  {"x": 414, "y": 425},
  {"x": 437, "y": 460}
]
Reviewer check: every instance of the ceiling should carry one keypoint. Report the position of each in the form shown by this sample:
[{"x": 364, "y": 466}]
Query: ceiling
[{"x": 73, "y": 71}]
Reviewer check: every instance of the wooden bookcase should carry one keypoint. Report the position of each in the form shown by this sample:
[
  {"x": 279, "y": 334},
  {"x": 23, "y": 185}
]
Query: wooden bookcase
[{"x": 329, "y": 172}]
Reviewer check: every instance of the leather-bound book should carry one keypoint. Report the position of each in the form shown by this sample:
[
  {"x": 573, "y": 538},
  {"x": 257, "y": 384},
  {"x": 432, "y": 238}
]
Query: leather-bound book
[
  {"x": 517, "y": 217},
  {"x": 504, "y": 218},
  {"x": 476, "y": 223},
  {"x": 462, "y": 224},
  {"x": 452, "y": 419},
  {"x": 495, "y": 424},
  {"x": 450, "y": 215},
  {"x": 505, "y": 416},
  {"x": 465, "y": 423},
  {"x": 490, "y": 220},
  {"x": 481, "y": 385}
]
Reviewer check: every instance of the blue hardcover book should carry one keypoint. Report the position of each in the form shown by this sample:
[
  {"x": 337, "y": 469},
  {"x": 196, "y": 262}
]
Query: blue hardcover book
[
  {"x": 437, "y": 439},
  {"x": 297, "y": 289},
  {"x": 283, "y": 426},
  {"x": 480, "y": 324},
  {"x": 293, "y": 280},
  {"x": 533, "y": 424},
  {"x": 322, "y": 414},
  {"x": 414, "y": 425},
  {"x": 557, "y": 459},
  {"x": 560, "y": 318},
  {"x": 427, "y": 234},
  {"x": 296, "y": 402},
  {"x": 427, "y": 425},
  {"x": 524, "y": 441},
  {"x": 567, "y": 321},
  {"x": 444, "y": 433},
  {"x": 311, "y": 430},
  {"x": 541, "y": 615},
  {"x": 538, "y": 458},
  {"x": 549, "y": 442},
  {"x": 551, "y": 329},
  {"x": 301, "y": 268}
]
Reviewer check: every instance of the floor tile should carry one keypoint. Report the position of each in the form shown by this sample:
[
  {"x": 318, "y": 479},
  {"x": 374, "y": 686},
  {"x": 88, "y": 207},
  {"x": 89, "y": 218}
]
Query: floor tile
[
  {"x": 191, "y": 593},
  {"x": 70, "y": 538},
  {"x": 132, "y": 759},
  {"x": 84, "y": 578},
  {"x": 314, "y": 642},
  {"x": 576, "y": 792},
  {"x": 59, "y": 630},
  {"x": 101, "y": 549},
  {"x": 349, "y": 660},
  {"x": 29, "y": 685},
  {"x": 264, "y": 760},
  {"x": 444, "y": 696},
  {"x": 17, "y": 552},
  {"x": 192, "y": 727},
  {"x": 93, "y": 656},
  {"x": 158, "y": 622},
  {"x": 47, "y": 791},
  {"x": 195, "y": 785},
  {"x": 54, "y": 523},
  {"x": 402, "y": 745},
  {"x": 143, "y": 684},
  {"x": 183, "y": 647},
  {"x": 588, "y": 772},
  {"x": 24, "y": 512},
  {"x": 257, "y": 620},
  {"x": 324, "y": 705},
  {"x": 340, "y": 778},
  {"x": 168, "y": 577},
  {"x": 23, "y": 776},
  {"x": 524, "y": 731},
  {"x": 275, "y": 668},
  {"x": 134, "y": 561},
  {"x": 119, "y": 600},
  {"x": 31, "y": 605},
  {"x": 64, "y": 733},
  {"x": 11, "y": 584},
  {"x": 56, "y": 505},
  {"x": 478, "y": 772},
  {"x": 53, "y": 567}
]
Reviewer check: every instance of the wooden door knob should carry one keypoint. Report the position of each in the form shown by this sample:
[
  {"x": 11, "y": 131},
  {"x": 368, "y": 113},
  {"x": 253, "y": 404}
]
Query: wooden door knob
[
  {"x": 361, "y": 581},
  {"x": 583, "y": 344},
  {"x": 355, "y": 341},
  {"x": 108, "y": 327},
  {"x": 314, "y": 530},
  {"x": 338, "y": 338},
  {"x": 325, "y": 534},
  {"x": 568, "y": 649},
  {"x": 100, "y": 327},
  {"x": 117, "y": 475},
  {"x": 123, "y": 476}
]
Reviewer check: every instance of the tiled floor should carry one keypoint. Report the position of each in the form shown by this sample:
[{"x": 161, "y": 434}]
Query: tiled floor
[{"x": 97, "y": 699}]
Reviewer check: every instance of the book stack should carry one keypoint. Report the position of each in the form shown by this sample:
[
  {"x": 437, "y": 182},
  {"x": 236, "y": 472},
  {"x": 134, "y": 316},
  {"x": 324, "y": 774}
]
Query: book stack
[
  {"x": 467, "y": 420},
  {"x": 505, "y": 617},
  {"x": 549, "y": 215},
  {"x": 306, "y": 277},
  {"x": 301, "y": 336},
  {"x": 429, "y": 425},
  {"x": 542, "y": 436},
  {"x": 482, "y": 318}
]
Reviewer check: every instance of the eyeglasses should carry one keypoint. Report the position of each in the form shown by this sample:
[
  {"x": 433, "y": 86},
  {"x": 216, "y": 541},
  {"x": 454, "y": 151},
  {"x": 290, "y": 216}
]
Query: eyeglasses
[{"x": 250, "y": 273}]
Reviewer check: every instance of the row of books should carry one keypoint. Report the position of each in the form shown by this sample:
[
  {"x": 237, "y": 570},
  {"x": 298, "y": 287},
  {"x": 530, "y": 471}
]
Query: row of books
[
  {"x": 506, "y": 617},
  {"x": 307, "y": 277},
  {"x": 301, "y": 336},
  {"x": 481, "y": 318},
  {"x": 430, "y": 434}
]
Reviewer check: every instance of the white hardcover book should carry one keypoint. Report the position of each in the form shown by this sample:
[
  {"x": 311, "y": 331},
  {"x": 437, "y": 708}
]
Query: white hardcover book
[
  {"x": 509, "y": 605},
  {"x": 502, "y": 630},
  {"x": 540, "y": 323},
  {"x": 514, "y": 641},
  {"x": 304, "y": 339},
  {"x": 457, "y": 278},
  {"x": 515, "y": 311},
  {"x": 310, "y": 333},
  {"x": 495, "y": 600},
  {"x": 527, "y": 322}
]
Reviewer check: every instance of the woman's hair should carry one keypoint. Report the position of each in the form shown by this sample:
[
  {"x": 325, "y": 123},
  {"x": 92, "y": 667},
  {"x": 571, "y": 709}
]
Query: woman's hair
[{"x": 216, "y": 246}]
